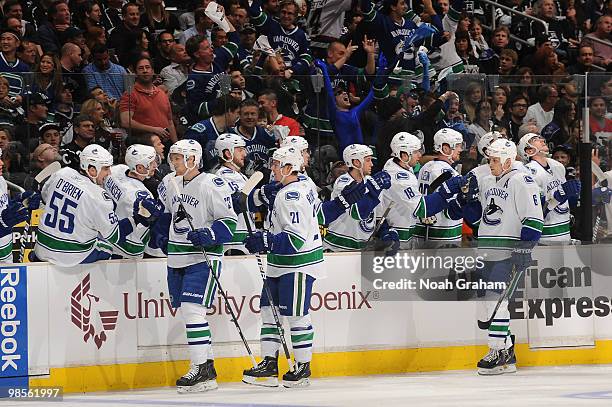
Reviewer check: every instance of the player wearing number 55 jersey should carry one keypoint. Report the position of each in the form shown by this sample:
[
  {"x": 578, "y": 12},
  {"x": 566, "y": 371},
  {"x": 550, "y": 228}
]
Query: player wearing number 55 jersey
[{"x": 79, "y": 224}]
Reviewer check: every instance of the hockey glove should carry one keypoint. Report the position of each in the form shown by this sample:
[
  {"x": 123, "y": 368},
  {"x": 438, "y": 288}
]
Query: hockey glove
[
  {"x": 469, "y": 191},
  {"x": 268, "y": 192},
  {"x": 451, "y": 186},
  {"x": 391, "y": 237},
  {"x": 204, "y": 237},
  {"x": 569, "y": 189},
  {"x": 236, "y": 202},
  {"x": 423, "y": 58},
  {"x": 259, "y": 242},
  {"x": 351, "y": 194},
  {"x": 601, "y": 195},
  {"x": 30, "y": 199},
  {"x": 217, "y": 14},
  {"x": 378, "y": 182},
  {"x": 14, "y": 214},
  {"x": 146, "y": 211},
  {"x": 521, "y": 255}
]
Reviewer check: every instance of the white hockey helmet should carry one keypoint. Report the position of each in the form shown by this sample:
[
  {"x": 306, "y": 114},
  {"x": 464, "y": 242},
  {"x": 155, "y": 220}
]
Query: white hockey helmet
[
  {"x": 447, "y": 136},
  {"x": 140, "y": 154},
  {"x": 186, "y": 148},
  {"x": 486, "y": 140},
  {"x": 356, "y": 152},
  {"x": 289, "y": 156},
  {"x": 502, "y": 149},
  {"x": 298, "y": 142},
  {"x": 95, "y": 156},
  {"x": 228, "y": 141},
  {"x": 404, "y": 142},
  {"x": 525, "y": 143}
]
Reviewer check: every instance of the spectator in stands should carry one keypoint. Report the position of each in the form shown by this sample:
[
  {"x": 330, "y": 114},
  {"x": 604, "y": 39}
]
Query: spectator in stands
[
  {"x": 483, "y": 123},
  {"x": 163, "y": 55},
  {"x": 508, "y": 59},
  {"x": 37, "y": 110},
  {"x": 564, "y": 154},
  {"x": 559, "y": 31},
  {"x": 559, "y": 130},
  {"x": 500, "y": 100},
  {"x": 464, "y": 48},
  {"x": 239, "y": 17},
  {"x": 175, "y": 74},
  {"x": 248, "y": 36},
  {"x": 111, "y": 106},
  {"x": 95, "y": 36},
  {"x": 203, "y": 85},
  {"x": 146, "y": 109},
  {"x": 10, "y": 65},
  {"x": 584, "y": 63},
  {"x": 224, "y": 117},
  {"x": 120, "y": 35},
  {"x": 258, "y": 140},
  {"x": 14, "y": 157},
  {"x": 64, "y": 110},
  {"x": 28, "y": 53},
  {"x": 111, "y": 15},
  {"x": 202, "y": 27},
  {"x": 41, "y": 157},
  {"x": 527, "y": 85},
  {"x": 71, "y": 58},
  {"x": 105, "y": 74},
  {"x": 14, "y": 9},
  {"x": 547, "y": 63},
  {"x": 49, "y": 134},
  {"x": 517, "y": 111},
  {"x": 102, "y": 128},
  {"x": 599, "y": 123},
  {"x": 542, "y": 112},
  {"x": 9, "y": 112},
  {"x": 239, "y": 84},
  {"x": 602, "y": 53},
  {"x": 83, "y": 136},
  {"x": 51, "y": 33},
  {"x": 489, "y": 59},
  {"x": 89, "y": 16},
  {"x": 156, "y": 18},
  {"x": 47, "y": 76},
  {"x": 268, "y": 101},
  {"x": 473, "y": 96}
]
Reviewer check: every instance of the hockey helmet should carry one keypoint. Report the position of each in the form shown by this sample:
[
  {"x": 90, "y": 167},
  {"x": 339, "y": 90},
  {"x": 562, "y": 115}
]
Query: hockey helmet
[
  {"x": 228, "y": 141},
  {"x": 502, "y": 149},
  {"x": 525, "y": 143},
  {"x": 140, "y": 154},
  {"x": 356, "y": 152},
  {"x": 186, "y": 148},
  {"x": 486, "y": 140},
  {"x": 95, "y": 156}
]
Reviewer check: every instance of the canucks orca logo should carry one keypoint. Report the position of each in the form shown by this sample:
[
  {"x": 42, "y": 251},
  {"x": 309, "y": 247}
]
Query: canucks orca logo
[
  {"x": 367, "y": 225},
  {"x": 218, "y": 182},
  {"x": 491, "y": 209},
  {"x": 562, "y": 209},
  {"x": 180, "y": 216}
]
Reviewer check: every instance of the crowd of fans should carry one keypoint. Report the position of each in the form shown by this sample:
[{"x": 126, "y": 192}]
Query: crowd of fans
[{"x": 334, "y": 71}]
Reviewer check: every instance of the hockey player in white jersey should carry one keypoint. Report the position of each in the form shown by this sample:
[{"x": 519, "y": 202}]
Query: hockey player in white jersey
[
  {"x": 403, "y": 198},
  {"x": 557, "y": 193},
  {"x": 232, "y": 152},
  {"x": 440, "y": 228},
  {"x": 295, "y": 261},
  {"x": 353, "y": 228},
  {"x": 125, "y": 186},
  {"x": 79, "y": 224},
  {"x": 207, "y": 202},
  {"x": 12, "y": 212},
  {"x": 509, "y": 214}
]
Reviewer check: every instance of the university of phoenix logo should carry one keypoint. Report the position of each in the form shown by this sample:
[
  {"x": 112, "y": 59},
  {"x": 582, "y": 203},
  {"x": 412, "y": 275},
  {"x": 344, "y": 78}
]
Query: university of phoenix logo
[{"x": 82, "y": 303}]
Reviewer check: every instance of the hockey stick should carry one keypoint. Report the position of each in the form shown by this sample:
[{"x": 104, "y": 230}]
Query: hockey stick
[
  {"x": 431, "y": 189},
  {"x": 247, "y": 221},
  {"x": 40, "y": 178},
  {"x": 210, "y": 268},
  {"x": 603, "y": 181},
  {"x": 506, "y": 294},
  {"x": 378, "y": 224}
]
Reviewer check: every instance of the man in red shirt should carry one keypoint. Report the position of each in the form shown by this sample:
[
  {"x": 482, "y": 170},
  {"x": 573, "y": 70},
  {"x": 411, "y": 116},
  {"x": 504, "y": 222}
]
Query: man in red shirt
[
  {"x": 268, "y": 101},
  {"x": 146, "y": 109}
]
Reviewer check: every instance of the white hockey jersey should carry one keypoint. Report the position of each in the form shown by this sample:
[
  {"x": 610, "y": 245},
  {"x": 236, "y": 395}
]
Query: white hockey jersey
[
  {"x": 484, "y": 170},
  {"x": 78, "y": 218},
  {"x": 350, "y": 231},
  {"x": 236, "y": 181},
  {"x": 405, "y": 198},
  {"x": 557, "y": 221},
  {"x": 508, "y": 204},
  {"x": 295, "y": 213},
  {"x": 206, "y": 198},
  {"x": 124, "y": 191},
  {"x": 444, "y": 229},
  {"x": 6, "y": 242}
]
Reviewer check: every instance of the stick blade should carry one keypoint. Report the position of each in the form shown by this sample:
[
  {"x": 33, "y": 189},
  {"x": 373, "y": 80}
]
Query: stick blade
[
  {"x": 252, "y": 182},
  {"x": 484, "y": 325},
  {"x": 47, "y": 172}
]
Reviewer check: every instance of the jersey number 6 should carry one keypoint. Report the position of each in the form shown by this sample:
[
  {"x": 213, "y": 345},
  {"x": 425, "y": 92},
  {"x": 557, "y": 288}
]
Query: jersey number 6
[{"x": 66, "y": 219}]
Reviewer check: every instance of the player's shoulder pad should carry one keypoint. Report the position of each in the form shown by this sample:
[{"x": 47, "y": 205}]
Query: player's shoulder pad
[
  {"x": 225, "y": 171},
  {"x": 344, "y": 178}
]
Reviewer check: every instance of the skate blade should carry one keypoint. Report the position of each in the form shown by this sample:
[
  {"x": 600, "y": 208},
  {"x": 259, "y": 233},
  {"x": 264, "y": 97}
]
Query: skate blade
[
  {"x": 491, "y": 372},
  {"x": 198, "y": 388},
  {"x": 261, "y": 381},
  {"x": 511, "y": 368},
  {"x": 300, "y": 383}
]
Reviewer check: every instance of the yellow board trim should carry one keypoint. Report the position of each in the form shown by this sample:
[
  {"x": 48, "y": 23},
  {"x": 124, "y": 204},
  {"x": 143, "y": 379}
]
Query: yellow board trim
[{"x": 81, "y": 379}]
